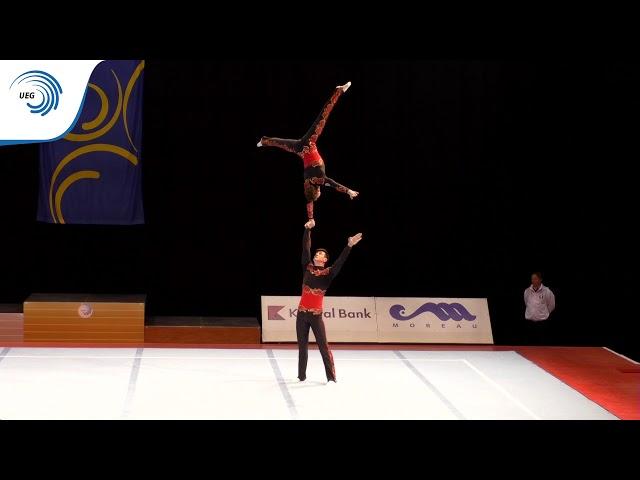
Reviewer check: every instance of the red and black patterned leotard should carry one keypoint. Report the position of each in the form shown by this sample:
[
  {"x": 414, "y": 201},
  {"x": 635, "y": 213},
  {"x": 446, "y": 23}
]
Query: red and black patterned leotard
[{"x": 305, "y": 147}]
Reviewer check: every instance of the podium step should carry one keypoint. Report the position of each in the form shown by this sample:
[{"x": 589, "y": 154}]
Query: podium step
[
  {"x": 90, "y": 318},
  {"x": 203, "y": 330}
]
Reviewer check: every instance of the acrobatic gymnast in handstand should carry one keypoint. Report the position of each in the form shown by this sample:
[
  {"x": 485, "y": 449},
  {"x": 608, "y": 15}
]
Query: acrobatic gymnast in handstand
[{"x": 305, "y": 147}]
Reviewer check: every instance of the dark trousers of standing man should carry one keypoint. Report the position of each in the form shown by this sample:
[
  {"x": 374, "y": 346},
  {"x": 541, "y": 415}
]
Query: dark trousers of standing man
[
  {"x": 304, "y": 321},
  {"x": 538, "y": 333}
]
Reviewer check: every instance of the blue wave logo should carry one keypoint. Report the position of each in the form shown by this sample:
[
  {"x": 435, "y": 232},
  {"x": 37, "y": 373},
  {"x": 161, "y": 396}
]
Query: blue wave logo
[
  {"x": 47, "y": 86},
  {"x": 444, "y": 311}
]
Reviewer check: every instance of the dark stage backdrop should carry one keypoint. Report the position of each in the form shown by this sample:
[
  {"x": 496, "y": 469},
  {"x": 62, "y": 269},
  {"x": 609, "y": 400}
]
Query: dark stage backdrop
[{"x": 472, "y": 174}]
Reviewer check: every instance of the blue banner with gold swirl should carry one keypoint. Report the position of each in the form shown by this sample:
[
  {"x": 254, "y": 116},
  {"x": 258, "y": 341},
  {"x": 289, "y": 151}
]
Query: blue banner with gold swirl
[{"x": 92, "y": 175}]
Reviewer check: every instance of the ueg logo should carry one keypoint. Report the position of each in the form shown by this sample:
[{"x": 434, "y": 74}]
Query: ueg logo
[
  {"x": 273, "y": 313},
  {"x": 41, "y": 100},
  {"x": 444, "y": 312},
  {"x": 37, "y": 85}
]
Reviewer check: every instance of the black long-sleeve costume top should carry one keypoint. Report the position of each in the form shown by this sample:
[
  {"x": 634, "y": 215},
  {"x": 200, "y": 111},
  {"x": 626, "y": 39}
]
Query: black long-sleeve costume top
[{"x": 316, "y": 280}]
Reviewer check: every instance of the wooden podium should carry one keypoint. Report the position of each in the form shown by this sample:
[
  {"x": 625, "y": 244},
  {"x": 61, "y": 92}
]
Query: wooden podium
[{"x": 79, "y": 318}]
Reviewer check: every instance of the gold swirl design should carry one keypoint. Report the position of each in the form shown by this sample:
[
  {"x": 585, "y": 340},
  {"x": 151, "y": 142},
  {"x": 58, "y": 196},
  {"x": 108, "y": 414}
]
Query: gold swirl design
[
  {"x": 55, "y": 204},
  {"x": 70, "y": 180},
  {"x": 85, "y": 137},
  {"x": 98, "y": 147},
  {"x": 104, "y": 109},
  {"x": 127, "y": 93}
]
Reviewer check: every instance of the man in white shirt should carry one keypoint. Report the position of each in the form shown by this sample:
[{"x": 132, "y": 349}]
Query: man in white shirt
[{"x": 540, "y": 302}]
